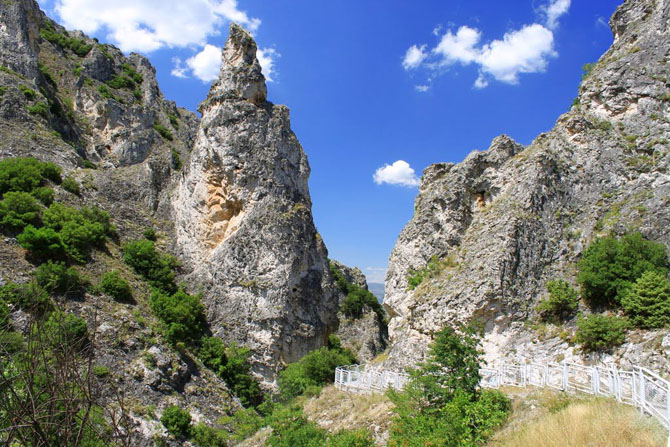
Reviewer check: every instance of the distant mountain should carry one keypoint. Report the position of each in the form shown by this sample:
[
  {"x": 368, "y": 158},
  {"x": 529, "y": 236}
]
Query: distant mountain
[{"x": 377, "y": 290}]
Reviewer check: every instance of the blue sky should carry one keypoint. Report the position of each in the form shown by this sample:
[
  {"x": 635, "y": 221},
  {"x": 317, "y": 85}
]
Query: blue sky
[{"x": 372, "y": 83}]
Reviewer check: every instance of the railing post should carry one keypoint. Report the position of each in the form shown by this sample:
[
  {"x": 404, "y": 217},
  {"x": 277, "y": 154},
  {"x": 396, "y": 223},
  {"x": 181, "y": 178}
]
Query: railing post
[
  {"x": 596, "y": 381},
  {"x": 643, "y": 397},
  {"x": 565, "y": 376}
]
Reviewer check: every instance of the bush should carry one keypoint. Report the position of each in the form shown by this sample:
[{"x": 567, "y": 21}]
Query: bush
[
  {"x": 610, "y": 266},
  {"x": 315, "y": 369},
  {"x": 163, "y": 131},
  {"x": 4, "y": 315},
  {"x": 27, "y": 92},
  {"x": 358, "y": 299},
  {"x": 44, "y": 194},
  {"x": 176, "y": 421},
  {"x": 648, "y": 303},
  {"x": 182, "y": 315},
  {"x": 41, "y": 109},
  {"x": 42, "y": 242},
  {"x": 114, "y": 285},
  {"x": 70, "y": 185},
  {"x": 204, "y": 436},
  {"x": 156, "y": 268},
  {"x": 416, "y": 277},
  {"x": 598, "y": 332},
  {"x": 150, "y": 234},
  {"x": 101, "y": 371},
  {"x": 77, "y": 46},
  {"x": 18, "y": 209},
  {"x": 213, "y": 353},
  {"x": 25, "y": 174},
  {"x": 344, "y": 438},
  {"x": 66, "y": 329},
  {"x": 562, "y": 303},
  {"x": 55, "y": 277},
  {"x": 291, "y": 429}
]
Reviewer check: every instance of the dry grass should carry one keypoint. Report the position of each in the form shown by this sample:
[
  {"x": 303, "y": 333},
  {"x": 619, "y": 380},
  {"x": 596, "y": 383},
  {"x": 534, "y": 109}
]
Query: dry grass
[
  {"x": 578, "y": 422},
  {"x": 336, "y": 410}
]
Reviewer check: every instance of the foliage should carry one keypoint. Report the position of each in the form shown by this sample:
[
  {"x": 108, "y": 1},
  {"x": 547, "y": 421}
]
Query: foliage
[
  {"x": 416, "y": 277},
  {"x": 42, "y": 242},
  {"x": 358, "y": 299},
  {"x": 41, "y": 109},
  {"x": 44, "y": 194},
  {"x": 55, "y": 277},
  {"x": 66, "y": 329},
  {"x": 562, "y": 303},
  {"x": 182, "y": 315},
  {"x": 70, "y": 185},
  {"x": 245, "y": 422},
  {"x": 609, "y": 267},
  {"x": 77, "y": 46},
  {"x": 587, "y": 69},
  {"x": 648, "y": 303},
  {"x": 29, "y": 297},
  {"x": 315, "y": 369},
  {"x": 205, "y": 436},
  {"x": 163, "y": 131},
  {"x": 598, "y": 332},
  {"x": 101, "y": 371},
  {"x": 114, "y": 285},
  {"x": 176, "y": 159},
  {"x": 176, "y": 421},
  {"x": 150, "y": 234},
  {"x": 18, "y": 209},
  {"x": 25, "y": 174},
  {"x": 155, "y": 267},
  {"x": 27, "y": 92},
  {"x": 442, "y": 404},
  {"x": 173, "y": 121},
  {"x": 232, "y": 365},
  {"x": 290, "y": 428}
]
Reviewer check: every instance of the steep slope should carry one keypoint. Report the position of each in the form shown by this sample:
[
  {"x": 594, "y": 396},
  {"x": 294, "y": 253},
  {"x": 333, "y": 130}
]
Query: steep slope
[
  {"x": 489, "y": 232},
  {"x": 244, "y": 224}
]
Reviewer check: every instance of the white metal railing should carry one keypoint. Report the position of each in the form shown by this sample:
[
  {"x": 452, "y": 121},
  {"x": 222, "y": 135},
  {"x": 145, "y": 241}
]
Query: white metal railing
[{"x": 640, "y": 387}]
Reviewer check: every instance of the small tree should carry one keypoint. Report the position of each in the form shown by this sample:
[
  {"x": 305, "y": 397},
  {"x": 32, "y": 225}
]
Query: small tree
[
  {"x": 18, "y": 209},
  {"x": 648, "y": 303},
  {"x": 114, "y": 285},
  {"x": 562, "y": 303},
  {"x": 598, "y": 332},
  {"x": 176, "y": 421}
]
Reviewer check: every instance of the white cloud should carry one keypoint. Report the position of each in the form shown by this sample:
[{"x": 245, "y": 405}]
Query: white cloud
[
  {"x": 267, "y": 57},
  {"x": 399, "y": 173},
  {"x": 206, "y": 65},
  {"x": 147, "y": 25},
  {"x": 524, "y": 50},
  {"x": 376, "y": 274},
  {"x": 600, "y": 21},
  {"x": 555, "y": 10},
  {"x": 422, "y": 88},
  {"x": 413, "y": 57},
  {"x": 179, "y": 70},
  {"x": 437, "y": 29}
]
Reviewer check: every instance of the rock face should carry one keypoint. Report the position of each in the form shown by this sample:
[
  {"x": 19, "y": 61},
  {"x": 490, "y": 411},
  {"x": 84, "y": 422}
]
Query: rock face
[
  {"x": 243, "y": 221},
  {"x": 503, "y": 222}
]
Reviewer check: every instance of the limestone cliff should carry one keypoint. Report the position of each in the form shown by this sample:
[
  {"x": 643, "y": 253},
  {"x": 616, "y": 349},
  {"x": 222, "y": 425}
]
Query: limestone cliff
[
  {"x": 503, "y": 222},
  {"x": 243, "y": 220}
]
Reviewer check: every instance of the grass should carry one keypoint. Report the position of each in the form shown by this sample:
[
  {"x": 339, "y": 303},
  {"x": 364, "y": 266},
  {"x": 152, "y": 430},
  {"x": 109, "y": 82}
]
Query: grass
[{"x": 550, "y": 419}]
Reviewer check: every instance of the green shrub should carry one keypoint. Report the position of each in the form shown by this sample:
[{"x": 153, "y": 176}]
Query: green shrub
[
  {"x": 100, "y": 371},
  {"x": 176, "y": 421},
  {"x": 4, "y": 315},
  {"x": 3, "y": 90},
  {"x": 131, "y": 73},
  {"x": 416, "y": 277},
  {"x": 18, "y": 209},
  {"x": 442, "y": 404},
  {"x": 291, "y": 429},
  {"x": 44, "y": 194},
  {"x": 150, "y": 234},
  {"x": 173, "y": 121},
  {"x": 41, "y": 109},
  {"x": 205, "y": 436},
  {"x": 237, "y": 374},
  {"x": 358, "y": 299},
  {"x": 244, "y": 422},
  {"x": 610, "y": 266},
  {"x": 29, "y": 297},
  {"x": 182, "y": 315},
  {"x": 562, "y": 303},
  {"x": 55, "y": 277},
  {"x": 155, "y": 267},
  {"x": 27, "y": 92},
  {"x": 587, "y": 69},
  {"x": 163, "y": 131},
  {"x": 213, "y": 353},
  {"x": 176, "y": 160},
  {"x": 114, "y": 285},
  {"x": 315, "y": 369},
  {"x": 648, "y": 303},
  {"x": 26, "y": 174},
  {"x": 77, "y": 46},
  {"x": 71, "y": 185},
  {"x": 88, "y": 164},
  {"x": 121, "y": 81},
  {"x": 66, "y": 329},
  {"x": 598, "y": 332},
  {"x": 345, "y": 438},
  {"x": 43, "y": 242}
]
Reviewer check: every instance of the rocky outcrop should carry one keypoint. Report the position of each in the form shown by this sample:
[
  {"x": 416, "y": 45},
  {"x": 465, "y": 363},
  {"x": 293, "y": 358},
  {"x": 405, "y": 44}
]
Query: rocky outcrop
[
  {"x": 244, "y": 223},
  {"x": 494, "y": 228}
]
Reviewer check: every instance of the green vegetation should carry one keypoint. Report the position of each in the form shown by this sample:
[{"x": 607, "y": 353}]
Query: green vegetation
[
  {"x": 155, "y": 267},
  {"x": 314, "y": 370},
  {"x": 150, "y": 234},
  {"x": 587, "y": 69},
  {"x": 647, "y": 305},
  {"x": 26, "y": 174},
  {"x": 205, "y": 436},
  {"x": 358, "y": 299},
  {"x": 562, "y": 303},
  {"x": 55, "y": 277},
  {"x": 114, "y": 285},
  {"x": 163, "y": 131},
  {"x": 41, "y": 109},
  {"x": 182, "y": 316},
  {"x": 416, "y": 277},
  {"x": 442, "y": 404},
  {"x": 77, "y": 46},
  {"x": 598, "y": 332},
  {"x": 70, "y": 185},
  {"x": 176, "y": 160},
  {"x": 177, "y": 421},
  {"x": 27, "y": 92},
  {"x": 3, "y": 90},
  {"x": 18, "y": 210},
  {"x": 610, "y": 266},
  {"x": 101, "y": 371},
  {"x": 174, "y": 121},
  {"x": 29, "y": 297},
  {"x": 44, "y": 194}
]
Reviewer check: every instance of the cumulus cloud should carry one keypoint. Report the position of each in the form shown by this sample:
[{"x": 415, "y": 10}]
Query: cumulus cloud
[
  {"x": 524, "y": 50},
  {"x": 555, "y": 10},
  {"x": 206, "y": 65},
  {"x": 398, "y": 173},
  {"x": 413, "y": 57},
  {"x": 145, "y": 25},
  {"x": 422, "y": 88}
]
